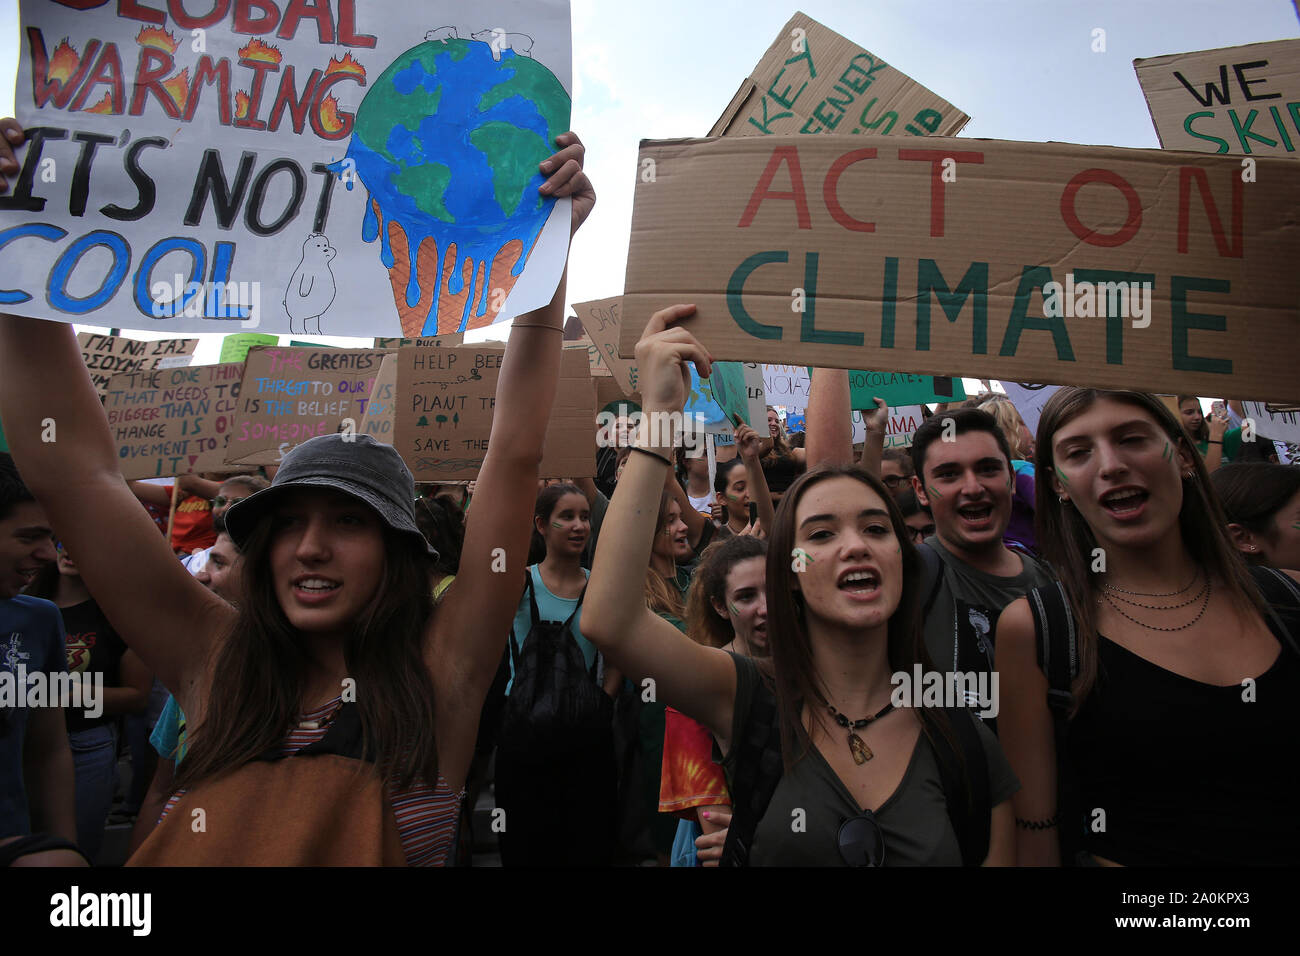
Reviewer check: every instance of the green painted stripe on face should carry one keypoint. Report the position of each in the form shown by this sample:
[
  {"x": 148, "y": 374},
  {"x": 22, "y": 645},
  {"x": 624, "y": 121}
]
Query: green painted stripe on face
[
  {"x": 932, "y": 492},
  {"x": 1061, "y": 476},
  {"x": 733, "y": 609}
]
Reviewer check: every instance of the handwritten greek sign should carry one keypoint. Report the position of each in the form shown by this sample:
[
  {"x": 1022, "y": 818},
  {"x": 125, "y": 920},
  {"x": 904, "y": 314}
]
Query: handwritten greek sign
[{"x": 109, "y": 355}]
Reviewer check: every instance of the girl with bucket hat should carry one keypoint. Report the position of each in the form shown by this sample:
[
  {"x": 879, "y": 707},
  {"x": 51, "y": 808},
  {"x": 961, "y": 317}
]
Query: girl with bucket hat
[{"x": 334, "y": 713}]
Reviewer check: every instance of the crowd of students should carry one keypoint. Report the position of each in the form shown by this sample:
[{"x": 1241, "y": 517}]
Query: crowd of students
[{"x": 660, "y": 663}]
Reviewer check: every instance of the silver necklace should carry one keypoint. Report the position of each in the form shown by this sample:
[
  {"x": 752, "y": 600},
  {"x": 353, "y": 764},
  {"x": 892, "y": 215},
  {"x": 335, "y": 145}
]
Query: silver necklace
[
  {"x": 1195, "y": 574},
  {"x": 1152, "y": 627}
]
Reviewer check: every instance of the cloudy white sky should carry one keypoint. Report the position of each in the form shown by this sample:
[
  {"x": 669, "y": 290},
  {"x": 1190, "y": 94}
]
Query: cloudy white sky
[{"x": 1022, "y": 69}]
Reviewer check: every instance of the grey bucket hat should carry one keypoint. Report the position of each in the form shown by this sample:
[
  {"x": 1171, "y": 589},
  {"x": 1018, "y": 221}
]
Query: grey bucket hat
[{"x": 355, "y": 465}]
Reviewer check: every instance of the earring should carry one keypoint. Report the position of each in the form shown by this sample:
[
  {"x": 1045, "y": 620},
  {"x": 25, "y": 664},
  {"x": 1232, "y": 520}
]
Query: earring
[
  {"x": 1253, "y": 548},
  {"x": 1190, "y": 476},
  {"x": 1062, "y": 499}
]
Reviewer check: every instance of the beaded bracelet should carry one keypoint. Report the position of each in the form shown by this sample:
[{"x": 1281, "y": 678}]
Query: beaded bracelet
[{"x": 1039, "y": 824}]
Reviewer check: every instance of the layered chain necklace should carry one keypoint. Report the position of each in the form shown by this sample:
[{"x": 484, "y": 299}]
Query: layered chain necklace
[
  {"x": 1112, "y": 594},
  {"x": 857, "y": 746}
]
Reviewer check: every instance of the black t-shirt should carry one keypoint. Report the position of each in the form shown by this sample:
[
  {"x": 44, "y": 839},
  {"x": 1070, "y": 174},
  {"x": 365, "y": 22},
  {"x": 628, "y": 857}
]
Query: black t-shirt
[{"x": 93, "y": 648}]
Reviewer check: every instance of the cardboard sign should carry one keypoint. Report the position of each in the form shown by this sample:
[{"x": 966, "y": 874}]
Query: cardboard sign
[
  {"x": 444, "y": 413},
  {"x": 1029, "y": 400},
  {"x": 595, "y": 361},
  {"x": 813, "y": 80},
  {"x": 381, "y": 409},
  {"x": 1274, "y": 424},
  {"x": 977, "y": 257},
  {"x": 109, "y": 355},
  {"x": 429, "y": 342},
  {"x": 901, "y": 388},
  {"x": 287, "y": 167},
  {"x": 1238, "y": 99},
  {"x": 602, "y": 318},
  {"x": 609, "y": 396},
  {"x": 291, "y": 394},
  {"x": 174, "y": 421}
]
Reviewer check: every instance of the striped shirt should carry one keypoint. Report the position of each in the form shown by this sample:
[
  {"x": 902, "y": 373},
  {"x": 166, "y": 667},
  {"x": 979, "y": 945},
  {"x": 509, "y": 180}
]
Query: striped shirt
[{"x": 426, "y": 816}]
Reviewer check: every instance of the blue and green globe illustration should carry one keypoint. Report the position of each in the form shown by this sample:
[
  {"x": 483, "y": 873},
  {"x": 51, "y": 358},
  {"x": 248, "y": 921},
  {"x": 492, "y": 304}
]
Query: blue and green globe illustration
[{"x": 447, "y": 142}]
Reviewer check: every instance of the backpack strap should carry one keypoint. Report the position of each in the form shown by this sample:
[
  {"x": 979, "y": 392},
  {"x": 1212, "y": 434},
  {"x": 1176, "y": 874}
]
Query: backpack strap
[
  {"x": 759, "y": 769},
  {"x": 532, "y": 605},
  {"x": 964, "y": 774},
  {"x": 1282, "y": 595},
  {"x": 1058, "y": 645},
  {"x": 933, "y": 564}
]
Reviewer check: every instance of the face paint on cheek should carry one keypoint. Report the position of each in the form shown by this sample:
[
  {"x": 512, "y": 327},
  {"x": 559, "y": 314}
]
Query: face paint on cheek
[
  {"x": 930, "y": 490},
  {"x": 731, "y": 497},
  {"x": 1168, "y": 453},
  {"x": 735, "y": 611},
  {"x": 1061, "y": 476},
  {"x": 556, "y": 524}
]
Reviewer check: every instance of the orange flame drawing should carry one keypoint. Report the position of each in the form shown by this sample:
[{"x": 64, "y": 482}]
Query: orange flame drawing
[
  {"x": 329, "y": 114},
  {"x": 241, "y": 105},
  {"x": 178, "y": 87},
  {"x": 63, "y": 62},
  {"x": 105, "y": 105},
  {"x": 346, "y": 65},
  {"x": 257, "y": 50},
  {"x": 157, "y": 38}
]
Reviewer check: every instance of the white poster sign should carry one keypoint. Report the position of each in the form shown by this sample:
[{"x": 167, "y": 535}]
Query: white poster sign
[{"x": 349, "y": 168}]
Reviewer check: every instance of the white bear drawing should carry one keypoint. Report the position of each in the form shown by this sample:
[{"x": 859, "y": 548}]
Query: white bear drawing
[
  {"x": 500, "y": 40},
  {"x": 311, "y": 287}
]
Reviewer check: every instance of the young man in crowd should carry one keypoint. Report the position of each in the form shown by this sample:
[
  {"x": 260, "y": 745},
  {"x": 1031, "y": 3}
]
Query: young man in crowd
[
  {"x": 37, "y": 795},
  {"x": 963, "y": 475}
]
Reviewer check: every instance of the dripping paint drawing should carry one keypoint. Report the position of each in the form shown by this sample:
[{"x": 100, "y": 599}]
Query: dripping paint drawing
[{"x": 446, "y": 148}]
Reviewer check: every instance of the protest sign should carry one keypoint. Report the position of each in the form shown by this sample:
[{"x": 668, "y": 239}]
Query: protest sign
[
  {"x": 228, "y": 145},
  {"x": 734, "y": 389},
  {"x": 172, "y": 421},
  {"x": 381, "y": 409},
  {"x": 1029, "y": 400},
  {"x": 1030, "y": 261},
  {"x": 609, "y": 396},
  {"x": 1274, "y": 424},
  {"x": 901, "y": 388},
  {"x": 1238, "y": 99},
  {"x": 813, "y": 80},
  {"x": 433, "y": 341},
  {"x": 444, "y": 413},
  {"x": 234, "y": 348},
  {"x": 602, "y": 319},
  {"x": 903, "y": 423},
  {"x": 109, "y": 355},
  {"x": 787, "y": 386},
  {"x": 291, "y": 394},
  {"x": 595, "y": 361}
]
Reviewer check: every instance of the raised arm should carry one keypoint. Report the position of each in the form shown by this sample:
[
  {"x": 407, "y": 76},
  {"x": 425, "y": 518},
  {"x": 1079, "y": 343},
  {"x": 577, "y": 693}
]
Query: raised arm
[
  {"x": 1025, "y": 732},
  {"x": 829, "y": 425},
  {"x": 747, "y": 441},
  {"x": 699, "y": 681},
  {"x": 468, "y": 632},
  {"x": 873, "y": 448}
]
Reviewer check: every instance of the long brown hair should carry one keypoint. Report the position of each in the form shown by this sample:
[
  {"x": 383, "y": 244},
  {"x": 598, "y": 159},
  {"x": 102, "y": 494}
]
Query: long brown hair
[
  {"x": 1067, "y": 542},
  {"x": 795, "y": 678},
  {"x": 660, "y": 597},
  {"x": 258, "y": 674},
  {"x": 780, "y": 444},
  {"x": 703, "y": 623}
]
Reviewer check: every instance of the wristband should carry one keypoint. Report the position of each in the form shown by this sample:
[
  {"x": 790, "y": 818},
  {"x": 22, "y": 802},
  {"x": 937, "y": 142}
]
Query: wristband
[
  {"x": 652, "y": 454},
  {"x": 1047, "y": 824},
  {"x": 1211, "y": 441}
]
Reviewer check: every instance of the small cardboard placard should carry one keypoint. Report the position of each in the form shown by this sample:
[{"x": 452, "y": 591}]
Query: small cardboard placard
[
  {"x": 812, "y": 80},
  {"x": 602, "y": 319},
  {"x": 1239, "y": 99},
  {"x": 445, "y": 407},
  {"x": 289, "y": 395},
  {"x": 172, "y": 421},
  {"x": 1042, "y": 262},
  {"x": 109, "y": 355}
]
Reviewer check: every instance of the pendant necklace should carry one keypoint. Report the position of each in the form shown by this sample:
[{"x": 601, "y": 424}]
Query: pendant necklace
[{"x": 857, "y": 746}]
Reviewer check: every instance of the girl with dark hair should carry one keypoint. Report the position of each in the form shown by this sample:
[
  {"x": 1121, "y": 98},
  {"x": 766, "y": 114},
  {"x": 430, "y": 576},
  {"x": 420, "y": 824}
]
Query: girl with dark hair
[
  {"x": 94, "y": 651},
  {"x": 1262, "y": 505},
  {"x": 865, "y": 772},
  {"x": 1182, "y": 679},
  {"x": 335, "y": 659},
  {"x": 442, "y": 522},
  {"x": 1214, "y": 440},
  {"x": 726, "y": 608},
  {"x": 560, "y": 805}
]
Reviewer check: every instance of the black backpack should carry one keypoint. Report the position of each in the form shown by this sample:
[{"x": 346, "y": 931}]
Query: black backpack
[
  {"x": 555, "y": 705},
  {"x": 963, "y": 772},
  {"x": 1058, "y": 658}
]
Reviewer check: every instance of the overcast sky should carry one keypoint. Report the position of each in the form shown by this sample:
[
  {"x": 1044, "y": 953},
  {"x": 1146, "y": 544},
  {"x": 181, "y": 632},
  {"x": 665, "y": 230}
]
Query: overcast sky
[{"x": 1022, "y": 69}]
